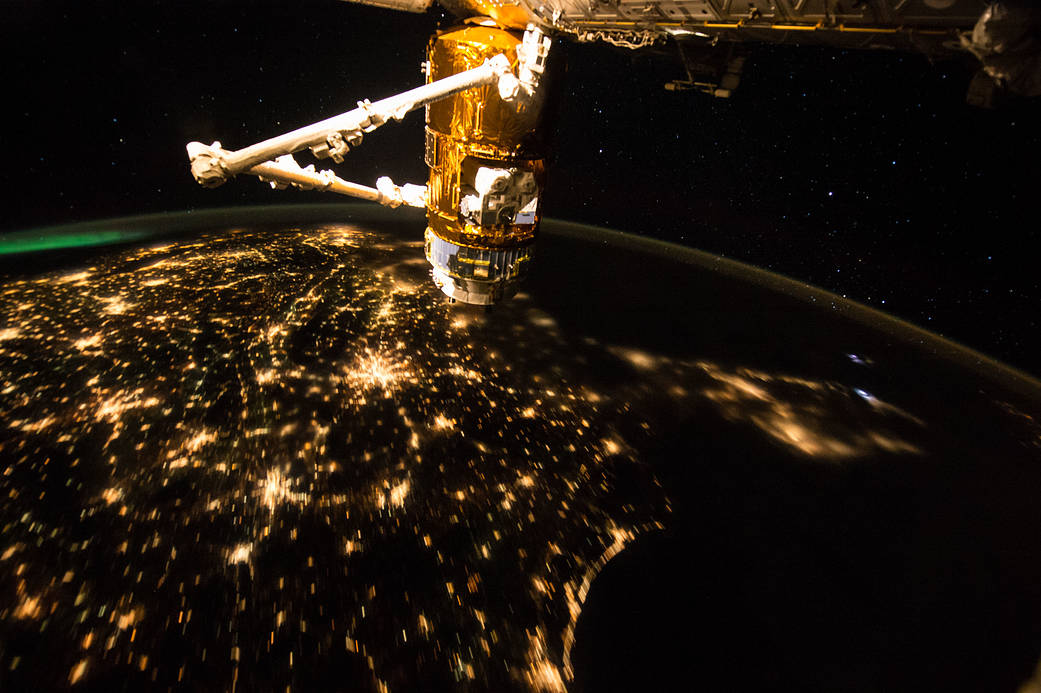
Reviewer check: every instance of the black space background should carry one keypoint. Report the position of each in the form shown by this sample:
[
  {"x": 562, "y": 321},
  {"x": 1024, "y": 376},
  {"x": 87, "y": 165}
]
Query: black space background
[{"x": 862, "y": 173}]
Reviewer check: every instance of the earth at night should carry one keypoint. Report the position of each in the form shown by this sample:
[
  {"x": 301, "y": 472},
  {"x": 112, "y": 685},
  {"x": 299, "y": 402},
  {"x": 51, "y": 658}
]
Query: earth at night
[{"x": 256, "y": 450}]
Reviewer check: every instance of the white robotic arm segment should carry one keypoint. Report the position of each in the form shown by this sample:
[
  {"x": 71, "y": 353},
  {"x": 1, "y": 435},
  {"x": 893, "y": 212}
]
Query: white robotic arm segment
[
  {"x": 206, "y": 161},
  {"x": 285, "y": 171},
  {"x": 394, "y": 195},
  {"x": 212, "y": 165}
]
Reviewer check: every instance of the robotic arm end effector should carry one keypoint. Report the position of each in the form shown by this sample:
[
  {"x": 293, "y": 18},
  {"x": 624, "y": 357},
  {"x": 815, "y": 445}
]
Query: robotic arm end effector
[{"x": 207, "y": 162}]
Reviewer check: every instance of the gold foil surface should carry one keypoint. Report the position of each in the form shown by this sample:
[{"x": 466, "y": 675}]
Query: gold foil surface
[
  {"x": 508, "y": 14},
  {"x": 478, "y": 117},
  {"x": 476, "y": 128}
]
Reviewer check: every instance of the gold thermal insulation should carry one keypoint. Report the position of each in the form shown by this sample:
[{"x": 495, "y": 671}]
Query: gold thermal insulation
[
  {"x": 510, "y": 14},
  {"x": 474, "y": 129}
]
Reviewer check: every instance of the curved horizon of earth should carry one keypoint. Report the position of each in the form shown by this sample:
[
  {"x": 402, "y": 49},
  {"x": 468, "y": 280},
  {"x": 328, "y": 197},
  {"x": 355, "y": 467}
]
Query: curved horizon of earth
[{"x": 256, "y": 448}]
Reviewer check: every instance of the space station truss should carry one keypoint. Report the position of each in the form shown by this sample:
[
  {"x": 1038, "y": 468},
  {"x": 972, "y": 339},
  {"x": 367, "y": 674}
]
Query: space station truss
[{"x": 931, "y": 26}]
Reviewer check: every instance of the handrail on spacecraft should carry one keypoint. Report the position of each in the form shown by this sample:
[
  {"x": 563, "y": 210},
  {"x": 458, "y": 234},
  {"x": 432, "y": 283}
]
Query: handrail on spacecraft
[{"x": 272, "y": 160}]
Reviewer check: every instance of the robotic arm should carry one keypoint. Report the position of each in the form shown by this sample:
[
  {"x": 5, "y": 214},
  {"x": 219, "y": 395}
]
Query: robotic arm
[
  {"x": 485, "y": 147},
  {"x": 272, "y": 160},
  {"x": 285, "y": 171}
]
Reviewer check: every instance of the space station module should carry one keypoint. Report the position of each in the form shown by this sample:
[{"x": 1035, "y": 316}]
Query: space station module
[{"x": 486, "y": 149}]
